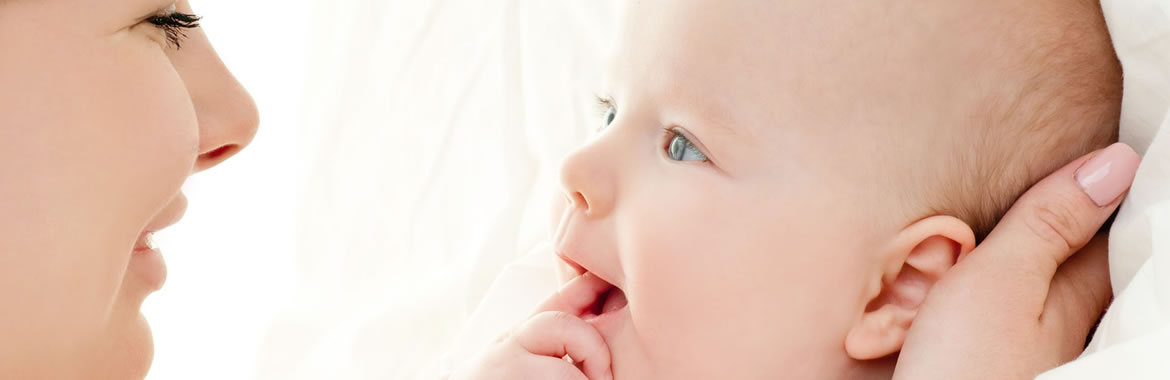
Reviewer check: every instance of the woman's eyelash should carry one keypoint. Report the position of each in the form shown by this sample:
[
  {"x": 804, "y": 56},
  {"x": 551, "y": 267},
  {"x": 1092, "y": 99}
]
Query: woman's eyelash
[{"x": 174, "y": 24}]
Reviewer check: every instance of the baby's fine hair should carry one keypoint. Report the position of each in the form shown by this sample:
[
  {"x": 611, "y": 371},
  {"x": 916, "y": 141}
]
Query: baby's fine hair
[{"x": 1068, "y": 106}]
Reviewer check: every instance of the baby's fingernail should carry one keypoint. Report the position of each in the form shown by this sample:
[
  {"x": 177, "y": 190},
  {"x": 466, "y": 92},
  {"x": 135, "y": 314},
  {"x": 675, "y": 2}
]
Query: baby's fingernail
[
  {"x": 1108, "y": 174},
  {"x": 609, "y": 374}
]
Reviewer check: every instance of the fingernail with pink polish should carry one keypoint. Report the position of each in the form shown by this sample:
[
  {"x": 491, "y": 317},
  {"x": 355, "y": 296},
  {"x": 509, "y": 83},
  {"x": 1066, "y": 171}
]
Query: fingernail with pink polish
[{"x": 1108, "y": 174}]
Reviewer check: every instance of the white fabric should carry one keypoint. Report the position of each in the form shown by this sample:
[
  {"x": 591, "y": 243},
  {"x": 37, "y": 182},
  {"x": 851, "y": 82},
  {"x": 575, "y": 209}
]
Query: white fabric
[
  {"x": 519, "y": 288},
  {"x": 431, "y": 133},
  {"x": 1133, "y": 340}
]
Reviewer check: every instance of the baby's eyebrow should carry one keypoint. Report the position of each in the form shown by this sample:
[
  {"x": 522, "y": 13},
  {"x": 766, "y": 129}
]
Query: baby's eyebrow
[
  {"x": 719, "y": 134},
  {"x": 716, "y": 120},
  {"x": 724, "y": 128},
  {"x": 707, "y": 105}
]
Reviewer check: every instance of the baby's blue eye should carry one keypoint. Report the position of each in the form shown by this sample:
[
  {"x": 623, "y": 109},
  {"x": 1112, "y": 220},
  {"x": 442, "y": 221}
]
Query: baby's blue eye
[
  {"x": 681, "y": 149},
  {"x": 610, "y": 114}
]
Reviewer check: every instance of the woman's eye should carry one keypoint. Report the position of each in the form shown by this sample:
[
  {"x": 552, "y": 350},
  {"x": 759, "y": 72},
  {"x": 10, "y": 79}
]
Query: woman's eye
[
  {"x": 681, "y": 149},
  {"x": 174, "y": 24}
]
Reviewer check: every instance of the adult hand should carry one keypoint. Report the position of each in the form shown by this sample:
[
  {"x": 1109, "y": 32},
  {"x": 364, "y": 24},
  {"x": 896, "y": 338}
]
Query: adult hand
[{"x": 1021, "y": 302}]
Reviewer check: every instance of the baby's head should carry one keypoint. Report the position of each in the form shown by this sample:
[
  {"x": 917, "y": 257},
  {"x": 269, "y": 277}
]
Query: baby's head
[{"x": 779, "y": 183}]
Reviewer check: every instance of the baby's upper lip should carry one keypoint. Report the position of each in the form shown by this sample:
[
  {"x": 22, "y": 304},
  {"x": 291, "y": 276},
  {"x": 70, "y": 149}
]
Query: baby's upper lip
[
  {"x": 581, "y": 269},
  {"x": 578, "y": 268},
  {"x": 566, "y": 246}
]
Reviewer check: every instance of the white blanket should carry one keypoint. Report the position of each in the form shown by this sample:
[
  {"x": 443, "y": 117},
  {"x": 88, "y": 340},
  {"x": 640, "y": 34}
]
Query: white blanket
[
  {"x": 429, "y": 141},
  {"x": 1133, "y": 340}
]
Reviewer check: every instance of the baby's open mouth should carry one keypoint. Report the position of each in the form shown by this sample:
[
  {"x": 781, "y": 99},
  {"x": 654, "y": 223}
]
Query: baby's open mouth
[{"x": 609, "y": 301}]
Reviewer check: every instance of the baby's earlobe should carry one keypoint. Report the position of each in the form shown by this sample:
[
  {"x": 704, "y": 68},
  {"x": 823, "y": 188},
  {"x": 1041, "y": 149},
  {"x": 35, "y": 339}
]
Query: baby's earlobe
[
  {"x": 880, "y": 333},
  {"x": 917, "y": 258}
]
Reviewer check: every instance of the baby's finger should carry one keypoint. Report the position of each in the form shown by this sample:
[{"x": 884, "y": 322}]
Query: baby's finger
[
  {"x": 556, "y": 334},
  {"x": 1054, "y": 219},
  {"x": 551, "y": 368},
  {"x": 576, "y": 296}
]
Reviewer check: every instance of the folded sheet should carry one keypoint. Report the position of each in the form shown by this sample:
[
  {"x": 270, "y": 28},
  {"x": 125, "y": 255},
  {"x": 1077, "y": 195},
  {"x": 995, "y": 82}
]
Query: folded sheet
[{"x": 1133, "y": 340}]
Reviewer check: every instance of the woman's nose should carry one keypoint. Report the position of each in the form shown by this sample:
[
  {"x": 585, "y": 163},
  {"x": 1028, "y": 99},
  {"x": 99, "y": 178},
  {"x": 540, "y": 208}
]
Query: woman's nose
[
  {"x": 228, "y": 120},
  {"x": 228, "y": 117}
]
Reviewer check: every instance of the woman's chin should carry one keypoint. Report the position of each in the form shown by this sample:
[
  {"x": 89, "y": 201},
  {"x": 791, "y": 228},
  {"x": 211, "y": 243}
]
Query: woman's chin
[
  {"x": 128, "y": 351},
  {"x": 126, "y": 348},
  {"x": 139, "y": 350}
]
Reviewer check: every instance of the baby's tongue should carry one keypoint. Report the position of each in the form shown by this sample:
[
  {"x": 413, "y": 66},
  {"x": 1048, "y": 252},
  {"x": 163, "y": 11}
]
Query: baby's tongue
[{"x": 614, "y": 301}]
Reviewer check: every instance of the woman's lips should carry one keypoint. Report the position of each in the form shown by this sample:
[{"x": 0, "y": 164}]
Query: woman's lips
[
  {"x": 145, "y": 243},
  {"x": 146, "y": 262}
]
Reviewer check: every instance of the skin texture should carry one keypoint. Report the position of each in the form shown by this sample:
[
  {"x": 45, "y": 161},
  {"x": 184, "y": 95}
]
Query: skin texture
[
  {"x": 101, "y": 122},
  {"x": 1023, "y": 302},
  {"x": 787, "y": 254},
  {"x": 535, "y": 349},
  {"x": 758, "y": 261}
]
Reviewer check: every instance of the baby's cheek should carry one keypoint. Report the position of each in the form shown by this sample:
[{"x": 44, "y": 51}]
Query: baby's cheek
[
  {"x": 713, "y": 278},
  {"x": 675, "y": 291}
]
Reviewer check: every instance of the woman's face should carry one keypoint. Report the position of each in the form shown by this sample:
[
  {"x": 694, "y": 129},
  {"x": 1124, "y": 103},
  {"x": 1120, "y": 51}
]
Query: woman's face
[{"x": 102, "y": 119}]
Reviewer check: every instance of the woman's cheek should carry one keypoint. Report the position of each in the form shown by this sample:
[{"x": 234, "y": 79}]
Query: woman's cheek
[
  {"x": 154, "y": 125},
  {"x": 101, "y": 168}
]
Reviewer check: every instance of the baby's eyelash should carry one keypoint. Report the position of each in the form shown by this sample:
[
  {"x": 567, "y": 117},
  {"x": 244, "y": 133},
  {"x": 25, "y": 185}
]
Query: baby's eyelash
[
  {"x": 174, "y": 24},
  {"x": 603, "y": 104}
]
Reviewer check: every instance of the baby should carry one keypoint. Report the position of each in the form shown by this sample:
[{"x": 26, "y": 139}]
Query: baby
[{"x": 778, "y": 184}]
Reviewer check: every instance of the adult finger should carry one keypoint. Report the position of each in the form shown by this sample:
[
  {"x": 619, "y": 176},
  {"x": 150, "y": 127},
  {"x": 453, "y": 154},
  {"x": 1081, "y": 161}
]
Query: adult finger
[
  {"x": 556, "y": 334},
  {"x": 1055, "y": 218},
  {"x": 1079, "y": 294}
]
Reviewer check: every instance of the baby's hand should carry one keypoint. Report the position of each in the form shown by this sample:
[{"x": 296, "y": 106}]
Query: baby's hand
[{"x": 537, "y": 348}]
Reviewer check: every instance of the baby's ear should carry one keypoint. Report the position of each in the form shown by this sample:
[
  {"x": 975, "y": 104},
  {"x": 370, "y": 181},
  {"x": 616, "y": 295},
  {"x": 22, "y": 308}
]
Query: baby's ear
[{"x": 917, "y": 257}]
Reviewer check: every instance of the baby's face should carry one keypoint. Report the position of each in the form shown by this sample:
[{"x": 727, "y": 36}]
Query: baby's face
[{"x": 745, "y": 180}]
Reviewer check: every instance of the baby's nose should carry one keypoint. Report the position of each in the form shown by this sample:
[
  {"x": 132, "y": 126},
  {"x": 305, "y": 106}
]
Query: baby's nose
[{"x": 587, "y": 180}]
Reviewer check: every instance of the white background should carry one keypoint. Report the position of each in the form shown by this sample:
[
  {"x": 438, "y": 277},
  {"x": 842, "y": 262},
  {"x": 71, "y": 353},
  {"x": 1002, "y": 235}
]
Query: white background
[
  {"x": 385, "y": 189},
  {"x": 231, "y": 259}
]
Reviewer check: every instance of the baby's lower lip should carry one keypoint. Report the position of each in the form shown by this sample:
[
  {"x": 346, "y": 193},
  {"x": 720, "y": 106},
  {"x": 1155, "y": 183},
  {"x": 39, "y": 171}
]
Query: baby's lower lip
[{"x": 614, "y": 302}]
